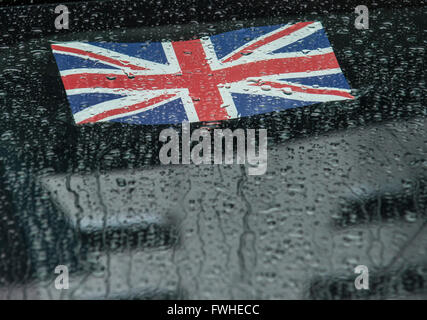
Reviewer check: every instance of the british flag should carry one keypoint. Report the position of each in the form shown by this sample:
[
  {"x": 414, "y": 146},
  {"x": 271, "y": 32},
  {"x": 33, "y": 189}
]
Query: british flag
[{"x": 225, "y": 76}]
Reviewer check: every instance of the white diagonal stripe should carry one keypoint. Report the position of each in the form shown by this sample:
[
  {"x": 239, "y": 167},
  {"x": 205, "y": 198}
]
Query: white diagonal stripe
[{"x": 151, "y": 66}]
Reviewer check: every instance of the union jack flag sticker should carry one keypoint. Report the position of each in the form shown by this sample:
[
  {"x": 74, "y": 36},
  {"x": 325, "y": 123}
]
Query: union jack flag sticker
[{"x": 230, "y": 75}]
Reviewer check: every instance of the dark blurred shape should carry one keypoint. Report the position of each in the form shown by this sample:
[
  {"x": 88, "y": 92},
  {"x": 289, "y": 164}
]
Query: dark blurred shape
[
  {"x": 409, "y": 204},
  {"x": 382, "y": 285}
]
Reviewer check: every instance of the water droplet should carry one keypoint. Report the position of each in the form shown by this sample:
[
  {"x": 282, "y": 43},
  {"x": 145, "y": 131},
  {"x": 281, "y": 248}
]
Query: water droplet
[{"x": 287, "y": 91}]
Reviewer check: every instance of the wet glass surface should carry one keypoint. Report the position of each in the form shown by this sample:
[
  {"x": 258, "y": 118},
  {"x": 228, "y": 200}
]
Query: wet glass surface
[{"x": 345, "y": 185}]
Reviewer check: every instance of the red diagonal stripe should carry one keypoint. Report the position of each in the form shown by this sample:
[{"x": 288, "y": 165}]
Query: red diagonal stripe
[
  {"x": 268, "y": 39},
  {"x": 304, "y": 89},
  {"x": 127, "y": 109},
  {"x": 96, "y": 56}
]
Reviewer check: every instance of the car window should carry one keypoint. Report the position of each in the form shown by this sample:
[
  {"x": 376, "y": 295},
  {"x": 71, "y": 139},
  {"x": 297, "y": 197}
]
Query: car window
[{"x": 345, "y": 179}]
